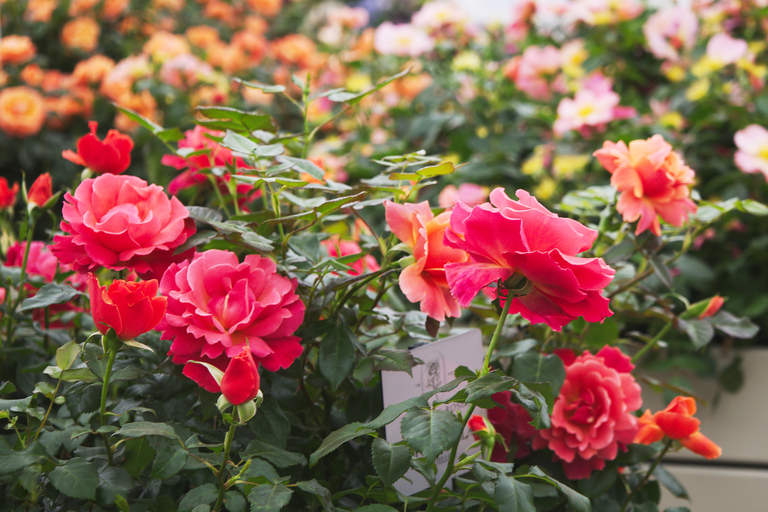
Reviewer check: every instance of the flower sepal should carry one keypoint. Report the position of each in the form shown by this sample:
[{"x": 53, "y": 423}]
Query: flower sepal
[{"x": 245, "y": 411}]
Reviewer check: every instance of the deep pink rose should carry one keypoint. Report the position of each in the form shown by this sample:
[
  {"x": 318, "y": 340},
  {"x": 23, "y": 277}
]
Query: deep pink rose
[
  {"x": 592, "y": 418},
  {"x": 338, "y": 248},
  {"x": 119, "y": 222},
  {"x": 512, "y": 421},
  {"x": 505, "y": 237},
  {"x": 218, "y": 307},
  {"x": 424, "y": 281}
]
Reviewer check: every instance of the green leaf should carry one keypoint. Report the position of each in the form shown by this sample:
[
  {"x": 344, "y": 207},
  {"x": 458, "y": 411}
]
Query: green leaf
[
  {"x": 543, "y": 368},
  {"x": 268, "y": 89},
  {"x": 226, "y": 118},
  {"x": 303, "y": 165},
  {"x": 578, "y": 502},
  {"x": 169, "y": 461},
  {"x": 394, "y": 411},
  {"x": 239, "y": 143},
  {"x": 269, "y": 497},
  {"x": 67, "y": 354},
  {"x": 273, "y": 426},
  {"x": 375, "y": 507},
  {"x": 670, "y": 482},
  {"x": 337, "y": 438},
  {"x": 733, "y": 326},
  {"x": 354, "y": 98},
  {"x": 201, "y": 495},
  {"x": 11, "y": 460},
  {"x": 336, "y": 356},
  {"x": 391, "y": 461},
  {"x": 77, "y": 478},
  {"x": 334, "y": 204},
  {"x": 49, "y": 295},
  {"x": 315, "y": 488},
  {"x": 277, "y": 456},
  {"x": 202, "y": 214},
  {"x": 512, "y": 495},
  {"x": 431, "y": 431},
  {"x": 147, "y": 428},
  {"x": 662, "y": 272},
  {"x": 701, "y": 332},
  {"x": 440, "y": 169},
  {"x": 393, "y": 360},
  {"x": 138, "y": 455},
  {"x": 234, "y": 501}
]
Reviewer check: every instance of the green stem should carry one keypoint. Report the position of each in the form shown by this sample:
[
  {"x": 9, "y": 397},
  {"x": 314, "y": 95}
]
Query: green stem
[
  {"x": 22, "y": 280},
  {"x": 652, "y": 343},
  {"x": 48, "y": 412},
  {"x": 483, "y": 372},
  {"x": 104, "y": 390},
  {"x": 220, "y": 475},
  {"x": 647, "y": 477}
]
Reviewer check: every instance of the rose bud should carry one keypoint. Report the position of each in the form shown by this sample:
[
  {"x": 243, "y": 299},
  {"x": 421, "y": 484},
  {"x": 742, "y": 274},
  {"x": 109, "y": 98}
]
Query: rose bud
[
  {"x": 41, "y": 190},
  {"x": 129, "y": 308},
  {"x": 241, "y": 378}
]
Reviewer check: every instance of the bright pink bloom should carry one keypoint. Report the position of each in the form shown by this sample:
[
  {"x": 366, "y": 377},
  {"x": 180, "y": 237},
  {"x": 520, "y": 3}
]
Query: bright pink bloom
[
  {"x": 592, "y": 417},
  {"x": 468, "y": 193},
  {"x": 652, "y": 180},
  {"x": 424, "y": 281},
  {"x": 671, "y": 30},
  {"x": 752, "y": 156},
  {"x": 506, "y": 237},
  {"x": 118, "y": 221},
  {"x": 405, "y": 40},
  {"x": 241, "y": 379},
  {"x": 338, "y": 248},
  {"x": 218, "y": 307},
  {"x": 512, "y": 421}
]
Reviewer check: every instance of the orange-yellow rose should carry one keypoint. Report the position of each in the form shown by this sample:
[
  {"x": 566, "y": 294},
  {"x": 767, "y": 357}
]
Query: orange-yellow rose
[
  {"x": 22, "y": 111},
  {"x": 92, "y": 70},
  {"x": 16, "y": 49},
  {"x": 40, "y": 10},
  {"x": 81, "y": 34}
]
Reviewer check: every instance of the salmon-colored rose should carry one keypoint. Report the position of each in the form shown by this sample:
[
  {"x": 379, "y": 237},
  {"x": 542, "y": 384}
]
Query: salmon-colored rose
[
  {"x": 652, "y": 181},
  {"x": 425, "y": 280},
  {"x": 164, "y": 45},
  {"x": 676, "y": 421},
  {"x": 240, "y": 382},
  {"x": 202, "y": 36},
  {"x": 592, "y": 417},
  {"x": 219, "y": 307},
  {"x": 81, "y": 34},
  {"x": 40, "y": 10},
  {"x": 298, "y": 50},
  {"x": 22, "y": 111},
  {"x": 16, "y": 49},
  {"x": 117, "y": 221},
  {"x": 266, "y": 8},
  {"x": 130, "y": 308},
  {"x": 32, "y": 75},
  {"x": 92, "y": 70},
  {"x": 112, "y": 9}
]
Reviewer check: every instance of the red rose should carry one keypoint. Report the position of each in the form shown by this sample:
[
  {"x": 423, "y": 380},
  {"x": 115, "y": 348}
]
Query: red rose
[
  {"x": 110, "y": 156},
  {"x": 7, "y": 194},
  {"x": 219, "y": 307},
  {"x": 512, "y": 421},
  {"x": 592, "y": 417},
  {"x": 241, "y": 379},
  {"x": 119, "y": 222},
  {"x": 130, "y": 308},
  {"x": 41, "y": 190}
]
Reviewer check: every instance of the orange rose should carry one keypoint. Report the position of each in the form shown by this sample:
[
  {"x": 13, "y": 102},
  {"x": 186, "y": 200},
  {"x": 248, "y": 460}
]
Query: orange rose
[
  {"x": 266, "y": 8},
  {"x": 113, "y": 9},
  {"x": 93, "y": 70},
  {"x": 164, "y": 45},
  {"x": 218, "y": 10},
  {"x": 297, "y": 49},
  {"x": 16, "y": 49},
  {"x": 22, "y": 111},
  {"x": 40, "y": 10},
  {"x": 78, "y": 7},
  {"x": 81, "y": 34},
  {"x": 32, "y": 75},
  {"x": 202, "y": 36},
  {"x": 168, "y": 5}
]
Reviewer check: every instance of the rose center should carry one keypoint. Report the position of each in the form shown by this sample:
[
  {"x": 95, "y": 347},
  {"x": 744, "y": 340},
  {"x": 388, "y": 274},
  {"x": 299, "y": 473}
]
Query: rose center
[{"x": 585, "y": 409}]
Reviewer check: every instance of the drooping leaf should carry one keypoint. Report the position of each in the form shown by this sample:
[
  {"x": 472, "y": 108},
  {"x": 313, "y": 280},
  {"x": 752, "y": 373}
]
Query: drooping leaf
[
  {"x": 431, "y": 431},
  {"x": 324, "y": 495},
  {"x": 511, "y": 495},
  {"x": 67, "y": 354},
  {"x": 169, "y": 461},
  {"x": 276, "y": 456},
  {"x": 670, "y": 482},
  {"x": 734, "y": 326},
  {"x": 346, "y": 433}
]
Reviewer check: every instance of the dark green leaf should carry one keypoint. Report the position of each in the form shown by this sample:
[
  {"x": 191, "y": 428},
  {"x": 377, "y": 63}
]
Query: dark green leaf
[
  {"x": 700, "y": 332},
  {"x": 337, "y": 354},
  {"x": 394, "y": 411},
  {"x": 431, "y": 432},
  {"x": 147, "y": 428},
  {"x": 734, "y": 326},
  {"x": 138, "y": 455},
  {"x": 670, "y": 482},
  {"x": 277, "y": 456},
  {"x": 11, "y": 460},
  {"x": 202, "y": 495},
  {"x": 48, "y": 295},
  {"x": 391, "y": 461},
  {"x": 393, "y": 360},
  {"x": 577, "y": 501},
  {"x": 662, "y": 272},
  {"x": 512, "y": 495},
  {"x": 77, "y": 478},
  {"x": 542, "y": 368},
  {"x": 234, "y": 501},
  {"x": 375, "y": 507},
  {"x": 323, "y": 494},
  {"x": 269, "y": 497},
  {"x": 273, "y": 426},
  {"x": 337, "y": 438},
  {"x": 169, "y": 461}
]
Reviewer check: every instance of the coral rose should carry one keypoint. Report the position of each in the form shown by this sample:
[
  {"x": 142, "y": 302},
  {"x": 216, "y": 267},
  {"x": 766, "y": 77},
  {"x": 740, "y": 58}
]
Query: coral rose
[
  {"x": 110, "y": 156},
  {"x": 41, "y": 190},
  {"x": 653, "y": 181},
  {"x": 119, "y": 222},
  {"x": 592, "y": 417},
  {"x": 130, "y": 308},
  {"x": 218, "y": 307},
  {"x": 7, "y": 194},
  {"x": 22, "y": 111},
  {"x": 16, "y": 49},
  {"x": 425, "y": 281},
  {"x": 676, "y": 421},
  {"x": 506, "y": 237},
  {"x": 240, "y": 382}
]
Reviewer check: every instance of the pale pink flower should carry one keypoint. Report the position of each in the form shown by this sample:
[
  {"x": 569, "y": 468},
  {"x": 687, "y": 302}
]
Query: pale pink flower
[
  {"x": 725, "y": 50},
  {"x": 537, "y": 72},
  {"x": 404, "y": 40},
  {"x": 184, "y": 71},
  {"x": 424, "y": 281},
  {"x": 671, "y": 30},
  {"x": 468, "y": 193},
  {"x": 592, "y": 107},
  {"x": 652, "y": 181},
  {"x": 752, "y": 156},
  {"x": 438, "y": 14},
  {"x": 592, "y": 417}
]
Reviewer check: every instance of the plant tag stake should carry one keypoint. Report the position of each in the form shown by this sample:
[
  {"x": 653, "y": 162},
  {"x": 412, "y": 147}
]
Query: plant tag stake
[{"x": 441, "y": 358}]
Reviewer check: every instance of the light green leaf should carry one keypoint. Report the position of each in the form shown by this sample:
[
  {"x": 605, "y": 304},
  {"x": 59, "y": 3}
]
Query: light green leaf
[{"x": 67, "y": 354}]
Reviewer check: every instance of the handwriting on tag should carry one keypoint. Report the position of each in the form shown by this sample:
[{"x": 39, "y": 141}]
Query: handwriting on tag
[{"x": 441, "y": 358}]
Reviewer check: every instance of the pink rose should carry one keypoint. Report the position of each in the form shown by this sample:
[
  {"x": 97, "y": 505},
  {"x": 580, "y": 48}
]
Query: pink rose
[
  {"x": 506, "y": 237},
  {"x": 424, "y": 281},
  {"x": 652, "y": 180},
  {"x": 338, "y": 248},
  {"x": 512, "y": 421},
  {"x": 752, "y": 156},
  {"x": 118, "y": 222},
  {"x": 468, "y": 193},
  {"x": 592, "y": 418},
  {"x": 218, "y": 307}
]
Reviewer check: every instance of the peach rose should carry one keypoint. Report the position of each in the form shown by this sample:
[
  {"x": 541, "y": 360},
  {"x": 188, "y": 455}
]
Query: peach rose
[
  {"x": 22, "y": 111},
  {"x": 81, "y": 34},
  {"x": 652, "y": 179},
  {"x": 92, "y": 70},
  {"x": 16, "y": 49},
  {"x": 40, "y": 10}
]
